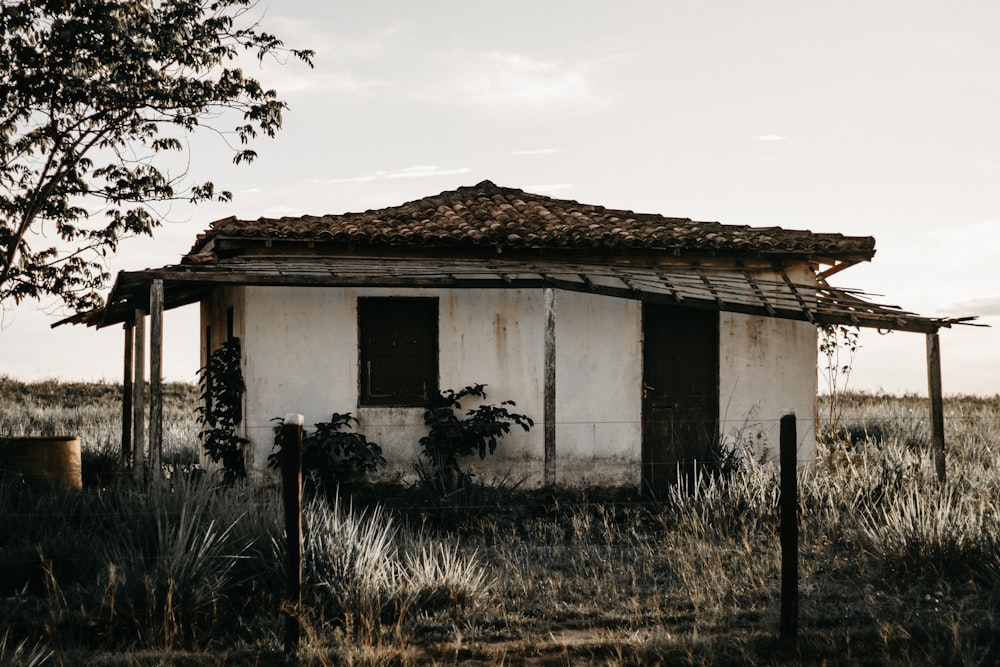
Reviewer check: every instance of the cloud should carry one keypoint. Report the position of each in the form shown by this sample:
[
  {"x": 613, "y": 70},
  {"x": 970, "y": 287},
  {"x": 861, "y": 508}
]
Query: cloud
[
  {"x": 313, "y": 33},
  {"x": 963, "y": 232},
  {"x": 984, "y": 306},
  {"x": 500, "y": 81},
  {"x": 342, "y": 83},
  {"x": 416, "y": 171},
  {"x": 537, "y": 151},
  {"x": 771, "y": 137}
]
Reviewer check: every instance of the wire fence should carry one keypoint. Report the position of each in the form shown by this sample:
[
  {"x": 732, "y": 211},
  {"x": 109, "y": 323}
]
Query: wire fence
[{"x": 871, "y": 433}]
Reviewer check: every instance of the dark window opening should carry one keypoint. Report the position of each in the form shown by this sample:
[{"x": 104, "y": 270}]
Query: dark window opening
[
  {"x": 229, "y": 323},
  {"x": 398, "y": 338}
]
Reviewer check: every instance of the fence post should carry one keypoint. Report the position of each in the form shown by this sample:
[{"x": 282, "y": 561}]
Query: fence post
[
  {"x": 291, "y": 484},
  {"x": 139, "y": 395},
  {"x": 937, "y": 404},
  {"x": 789, "y": 529},
  {"x": 127, "y": 393},
  {"x": 550, "y": 387},
  {"x": 156, "y": 382}
]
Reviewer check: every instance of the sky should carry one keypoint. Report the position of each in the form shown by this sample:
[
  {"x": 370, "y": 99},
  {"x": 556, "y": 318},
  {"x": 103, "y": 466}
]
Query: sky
[{"x": 865, "y": 118}]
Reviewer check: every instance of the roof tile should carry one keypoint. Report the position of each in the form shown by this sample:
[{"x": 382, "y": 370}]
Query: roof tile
[{"x": 486, "y": 214}]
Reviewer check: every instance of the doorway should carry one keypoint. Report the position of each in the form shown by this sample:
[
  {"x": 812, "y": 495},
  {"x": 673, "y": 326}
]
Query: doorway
[{"x": 680, "y": 406}]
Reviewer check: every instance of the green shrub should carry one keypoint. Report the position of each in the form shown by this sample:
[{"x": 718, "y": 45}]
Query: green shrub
[
  {"x": 222, "y": 387},
  {"x": 332, "y": 455},
  {"x": 453, "y": 436}
]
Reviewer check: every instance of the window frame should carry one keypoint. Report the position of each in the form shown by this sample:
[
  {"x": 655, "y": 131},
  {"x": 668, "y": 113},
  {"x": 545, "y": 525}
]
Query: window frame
[{"x": 425, "y": 348}]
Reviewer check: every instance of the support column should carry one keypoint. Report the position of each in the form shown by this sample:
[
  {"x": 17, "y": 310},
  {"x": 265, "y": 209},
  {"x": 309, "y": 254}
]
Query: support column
[
  {"x": 156, "y": 380},
  {"x": 550, "y": 387},
  {"x": 139, "y": 395},
  {"x": 127, "y": 393},
  {"x": 937, "y": 403},
  {"x": 789, "y": 526}
]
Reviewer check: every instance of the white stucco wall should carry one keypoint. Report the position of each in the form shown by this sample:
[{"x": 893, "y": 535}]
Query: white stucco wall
[
  {"x": 598, "y": 389},
  {"x": 300, "y": 349},
  {"x": 299, "y": 355},
  {"x": 300, "y": 352},
  {"x": 767, "y": 366}
]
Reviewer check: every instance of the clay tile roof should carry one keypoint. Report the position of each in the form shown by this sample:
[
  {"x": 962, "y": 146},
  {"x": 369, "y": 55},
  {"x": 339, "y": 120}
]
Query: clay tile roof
[{"x": 489, "y": 215}]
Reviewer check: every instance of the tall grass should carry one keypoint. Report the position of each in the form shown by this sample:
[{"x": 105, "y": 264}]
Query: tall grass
[
  {"x": 22, "y": 654},
  {"x": 894, "y": 566},
  {"x": 92, "y": 411}
]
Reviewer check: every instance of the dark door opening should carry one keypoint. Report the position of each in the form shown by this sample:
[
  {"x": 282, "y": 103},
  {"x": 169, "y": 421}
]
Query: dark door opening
[{"x": 680, "y": 407}]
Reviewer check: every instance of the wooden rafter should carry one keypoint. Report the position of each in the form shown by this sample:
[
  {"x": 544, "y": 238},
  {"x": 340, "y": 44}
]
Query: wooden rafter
[{"x": 733, "y": 289}]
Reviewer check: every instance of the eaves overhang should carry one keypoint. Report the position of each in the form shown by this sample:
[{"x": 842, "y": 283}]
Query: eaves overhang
[{"x": 765, "y": 291}]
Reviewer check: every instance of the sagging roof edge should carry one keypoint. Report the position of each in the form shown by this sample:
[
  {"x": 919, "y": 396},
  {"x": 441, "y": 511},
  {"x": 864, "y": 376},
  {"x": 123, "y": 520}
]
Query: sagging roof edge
[{"x": 823, "y": 304}]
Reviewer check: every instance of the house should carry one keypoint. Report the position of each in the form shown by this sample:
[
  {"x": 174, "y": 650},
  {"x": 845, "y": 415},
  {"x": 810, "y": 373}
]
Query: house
[{"x": 636, "y": 342}]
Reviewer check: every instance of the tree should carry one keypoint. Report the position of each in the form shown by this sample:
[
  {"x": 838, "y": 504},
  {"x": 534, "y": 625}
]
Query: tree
[{"x": 94, "y": 96}]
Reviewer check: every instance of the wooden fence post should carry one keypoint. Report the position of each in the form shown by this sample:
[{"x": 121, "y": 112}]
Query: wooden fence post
[
  {"x": 127, "y": 393},
  {"x": 139, "y": 395},
  {"x": 937, "y": 403},
  {"x": 549, "y": 408},
  {"x": 291, "y": 483},
  {"x": 789, "y": 503},
  {"x": 156, "y": 381}
]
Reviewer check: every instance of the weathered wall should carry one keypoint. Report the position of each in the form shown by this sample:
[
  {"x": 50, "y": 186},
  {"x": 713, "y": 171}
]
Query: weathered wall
[
  {"x": 300, "y": 348},
  {"x": 299, "y": 355},
  {"x": 766, "y": 366},
  {"x": 300, "y": 352},
  {"x": 598, "y": 389},
  {"x": 497, "y": 338}
]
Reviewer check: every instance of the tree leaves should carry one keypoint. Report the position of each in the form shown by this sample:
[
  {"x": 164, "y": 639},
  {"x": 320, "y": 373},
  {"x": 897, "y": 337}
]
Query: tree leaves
[{"x": 91, "y": 93}]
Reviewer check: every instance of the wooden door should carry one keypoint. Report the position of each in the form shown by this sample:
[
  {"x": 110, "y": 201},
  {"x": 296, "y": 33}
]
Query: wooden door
[{"x": 680, "y": 409}]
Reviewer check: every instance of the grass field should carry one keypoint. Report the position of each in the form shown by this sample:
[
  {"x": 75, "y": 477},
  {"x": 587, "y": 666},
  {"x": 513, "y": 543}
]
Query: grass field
[{"x": 895, "y": 568}]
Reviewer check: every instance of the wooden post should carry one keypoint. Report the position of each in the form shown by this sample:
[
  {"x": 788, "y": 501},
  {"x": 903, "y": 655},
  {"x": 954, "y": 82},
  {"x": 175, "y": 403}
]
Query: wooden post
[
  {"x": 789, "y": 503},
  {"x": 139, "y": 395},
  {"x": 550, "y": 387},
  {"x": 291, "y": 490},
  {"x": 127, "y": 394},
  {"x": 156, "y": 380},
  {"x": 937, "y": 403}
]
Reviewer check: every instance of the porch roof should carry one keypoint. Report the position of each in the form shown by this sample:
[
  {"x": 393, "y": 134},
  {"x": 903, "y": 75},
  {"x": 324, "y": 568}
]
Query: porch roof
[{"x": 751, "y": 289}]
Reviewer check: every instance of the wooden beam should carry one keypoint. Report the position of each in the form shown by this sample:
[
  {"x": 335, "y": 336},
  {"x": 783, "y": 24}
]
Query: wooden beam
[
  {"x": 156, "y": 380},
  {"x": 760, "y": 293},
  {"x": 937, "y": 403},
  {"x": 789, "y": 526},
  {"x": 550, "y": 387},
  {"x": 139, "y": 395},
  {"x": 819, "y": 304},
  {"x": 668, "y": 283},
  {"x": 708, "y": 284},
  {"x": 835, "y": 269},
  {"x": 798, "y": 297},
  {"x": 127, "y": 393},
  {"x": 291, "y": 493}
]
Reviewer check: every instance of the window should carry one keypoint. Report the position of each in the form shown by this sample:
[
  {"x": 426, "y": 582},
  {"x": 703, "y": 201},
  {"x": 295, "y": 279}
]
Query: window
[{"x": 399, "y": 350}]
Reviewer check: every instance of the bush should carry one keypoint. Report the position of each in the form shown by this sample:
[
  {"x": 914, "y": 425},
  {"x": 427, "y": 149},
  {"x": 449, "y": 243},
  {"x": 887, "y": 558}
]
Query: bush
[
  {"x": 222, "y": 387},
  {"x": 331, "y": 455},
  {"x": 452, "y": 437}
]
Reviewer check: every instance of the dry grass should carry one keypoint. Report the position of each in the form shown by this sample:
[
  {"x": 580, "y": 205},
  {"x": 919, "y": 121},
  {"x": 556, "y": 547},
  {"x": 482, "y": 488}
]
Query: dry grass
[{"x": 894, "y": 568}]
